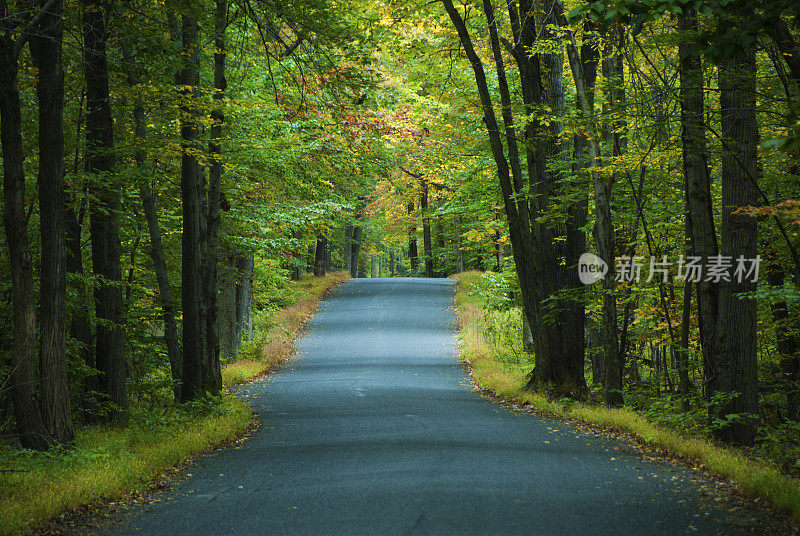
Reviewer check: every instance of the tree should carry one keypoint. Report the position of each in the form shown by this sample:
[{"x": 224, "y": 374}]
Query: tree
[
  {"x": 191, "y": 195},
  {"x": 45, "y": 48},
  {"x": 734, "y": 369},
  {"x": 31, "y": 430}
]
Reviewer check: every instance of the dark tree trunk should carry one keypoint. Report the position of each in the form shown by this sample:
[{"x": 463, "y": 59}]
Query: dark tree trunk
[
  {"x": 296, "y": 271},
  {"x": 697, "y": 185},
  {"x": 734, "y": 351},
  {"x": 191, "y": 200},
  {"x": 413, "y": 255},
  {"x": 228, "y": 285},
  {"x": 320, "y": 253},
  {"x": 682, "y": 355},
  {"x": 391, "y": 263},
  {"x": 570, "y": 314},
  {"x": 508, "y": 169},
  {"x": 45, "y": 46},
  {"x": 165, "y": 293},
  {"x": 103, "y": 214},
  {"x": 355, "y": 250},
  {"x": 347, "y": 251},
  {"x": 212, "y": 373},
  {"x": 30, "y": 429},
  {"x": 603, "y": 229},
  {"x": 426, "y": 230},
  {"x": 457, "y": 244},
  {"x": 244, "y": 298},
  {"x": 578, "y": 212}
]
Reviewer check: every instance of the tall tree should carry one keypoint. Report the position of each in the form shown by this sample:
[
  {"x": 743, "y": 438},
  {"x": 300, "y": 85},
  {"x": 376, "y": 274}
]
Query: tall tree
[
  {"x": 413, "y": 255},
  {"x": 426, "y": 228},
  {"x": 697, "y": 181},
  {"x": 320, "y": 251},
  {"x": 45, "y": 46},
  {"x": 734, "y": 368},
  {"x": 31, "y": 431},
  {"x": 211, "y": 363},
  {"x": 191, "y": 199},
  {"x": 603, "y": 228}
]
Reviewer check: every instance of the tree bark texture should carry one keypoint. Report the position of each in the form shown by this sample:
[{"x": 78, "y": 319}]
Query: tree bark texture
[
  {"x": 30, "y": 428},
  {"x": 734, "y": 369},
  {"x": 45, "y": 48}
]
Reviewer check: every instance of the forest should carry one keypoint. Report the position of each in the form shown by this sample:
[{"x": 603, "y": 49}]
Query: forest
[{"x": 172, "y": 171}]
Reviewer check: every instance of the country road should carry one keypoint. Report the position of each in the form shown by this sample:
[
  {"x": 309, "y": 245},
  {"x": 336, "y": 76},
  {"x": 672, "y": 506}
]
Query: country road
[{"x": 375, "y": 430}]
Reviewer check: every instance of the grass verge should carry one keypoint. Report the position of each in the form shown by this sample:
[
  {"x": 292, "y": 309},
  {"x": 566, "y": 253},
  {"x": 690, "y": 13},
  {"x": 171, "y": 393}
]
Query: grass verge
[
  {"x": 110, "y": 462},
  {"x": 506, "y": 382},
  {"x": 272, "y": 348}
]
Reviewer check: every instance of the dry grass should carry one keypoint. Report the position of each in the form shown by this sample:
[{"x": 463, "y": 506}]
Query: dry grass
[
  {"x": 755, "y": 478},
  {"x": 275, "y": 346}
]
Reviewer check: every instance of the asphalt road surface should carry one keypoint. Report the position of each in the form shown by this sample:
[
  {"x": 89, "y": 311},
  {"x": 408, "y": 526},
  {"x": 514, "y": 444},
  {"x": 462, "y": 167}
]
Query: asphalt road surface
[{"x": 375, "y": 431}]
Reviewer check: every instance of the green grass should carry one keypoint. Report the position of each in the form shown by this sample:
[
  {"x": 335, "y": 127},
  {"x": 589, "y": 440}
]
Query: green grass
[
  {"x": 109, "y": 462},
  {"x": 506, "y": 382}
]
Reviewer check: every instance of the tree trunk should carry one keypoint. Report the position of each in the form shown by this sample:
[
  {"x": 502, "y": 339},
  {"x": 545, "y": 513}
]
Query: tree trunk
[
  {"x": 191, "y": 195},
  {"x": 244, "y": 299},
  {"x": 296, "y": 271},
  {"x": 212, "y": 373},
  {"x": 413, "y": 255},
  {"x": 524, "y": 242},
  {"x": 79, "y": 327},
  {"x": 355, "y": 250},
  {"x": 697, "y": 185},
  {"x": 457, "y": 244},
  {"x": 391, "y": 263},
  {"x": 603, "y": 229},
  {"x": 426, "y": 230},
  {"x": 165, "y": 294},
  {"x": 347, "y": 251},
  {"x": 103, "y": 215},
  {"x": 682, "y": 355},
  {"x": 319, "y": 255},
  {"x": 30, "y": 429},
  {"x": 45, "y": 48},
  {"x": 228, "y": 288},
  {"x": 578, "y": 212},
  {"x": 569, "y": 310},
  {"x": 734, "y": 352}
]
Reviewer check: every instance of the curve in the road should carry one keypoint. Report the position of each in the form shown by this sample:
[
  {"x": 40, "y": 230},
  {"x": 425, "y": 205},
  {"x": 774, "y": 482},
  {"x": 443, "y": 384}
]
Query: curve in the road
[{"x": 376, "y": 431}]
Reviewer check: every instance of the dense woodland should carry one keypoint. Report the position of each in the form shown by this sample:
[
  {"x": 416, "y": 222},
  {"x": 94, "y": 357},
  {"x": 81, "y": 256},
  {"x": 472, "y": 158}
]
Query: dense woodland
[{"x": 167, "y": 166}]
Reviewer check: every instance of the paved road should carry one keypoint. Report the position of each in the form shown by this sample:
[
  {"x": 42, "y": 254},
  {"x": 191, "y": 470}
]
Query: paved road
[{"x": 375, "y": 431}]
